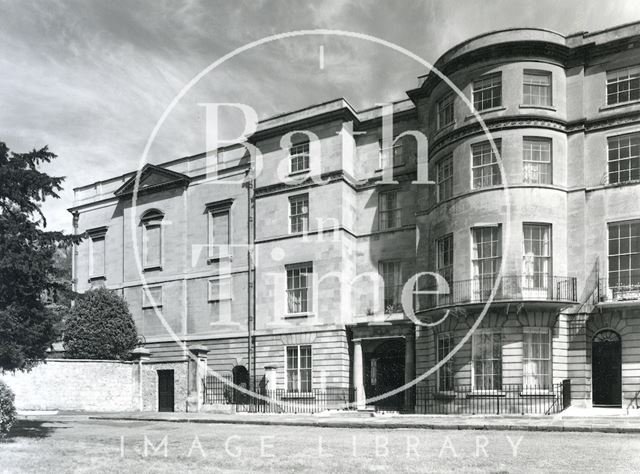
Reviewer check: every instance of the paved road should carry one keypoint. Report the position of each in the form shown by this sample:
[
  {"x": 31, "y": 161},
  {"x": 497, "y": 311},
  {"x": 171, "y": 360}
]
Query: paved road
[{"x": 65, "y": 444}]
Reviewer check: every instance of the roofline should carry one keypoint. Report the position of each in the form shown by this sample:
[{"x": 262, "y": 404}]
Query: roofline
[{"x": 259, "y": 132}]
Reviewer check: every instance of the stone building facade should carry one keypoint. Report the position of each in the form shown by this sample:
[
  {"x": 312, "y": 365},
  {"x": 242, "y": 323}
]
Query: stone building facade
[{"x": 296, "y": 273}]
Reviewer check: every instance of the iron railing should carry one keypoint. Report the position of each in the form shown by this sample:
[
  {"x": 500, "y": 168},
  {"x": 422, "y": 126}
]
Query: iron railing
[
  {"x": 510, "y": 399},
  {"x": 314, "y": 401},
  {"x": 218, "y": 390},
  {"x": 512, "y": 287},
  {"x": 462, "y": 400},
  {"x": 615, "y": 290}
]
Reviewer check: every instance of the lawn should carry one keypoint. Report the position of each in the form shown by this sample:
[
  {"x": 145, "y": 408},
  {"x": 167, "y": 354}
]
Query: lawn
[{"x": 81, "y": 445}]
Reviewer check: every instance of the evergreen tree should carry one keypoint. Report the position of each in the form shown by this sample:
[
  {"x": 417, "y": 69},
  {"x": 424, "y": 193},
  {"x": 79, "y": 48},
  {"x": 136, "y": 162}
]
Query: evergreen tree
[{"x": 27, "y": 268}]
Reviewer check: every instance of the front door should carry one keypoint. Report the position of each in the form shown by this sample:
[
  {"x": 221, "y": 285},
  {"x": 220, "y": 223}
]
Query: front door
[
  {"x": 165, "y": 390},
  {"x": 384, "y": 372},
  {"x": 606, "y": 369}
]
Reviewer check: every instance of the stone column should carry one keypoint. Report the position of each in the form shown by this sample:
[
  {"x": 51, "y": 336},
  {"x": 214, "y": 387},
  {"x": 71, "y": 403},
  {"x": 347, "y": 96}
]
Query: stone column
[
  {"x": 197, "y": 372},
  {"x": 358, "y": 374},
  {"x": 409, "y": 369},
  {"x": 139, "y": 355}
]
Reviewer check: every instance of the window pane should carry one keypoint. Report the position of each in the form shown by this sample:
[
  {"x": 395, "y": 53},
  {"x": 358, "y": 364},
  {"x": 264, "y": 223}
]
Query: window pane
[
  {"x": 487, "y": 91},
  {"x": 389, "y": 210},
  {"x": 218, "y": 234},
  {"x": 444, "y": 176},
  {"x": 299, "y": 157},
  {"x": 220, "y": 289},
  {"x": 151, "y": 295},
  {"x": 299, "y": 288},
  {"x": 485, "y": 169},
  {"x": 487, "y": 361},
  {"x": 391, "y": 272},
  {"x": 445, "y": 111},
  {"x": 536, "y": 364},
  {"x": 536, "y": 160},
  {"x": 292, "y": 369},
  {"x": 486, "y": 260},
  {"x": 536, "y": 256},
  {"x": 537, "y": 88},
  {"x": 623, "y": 85},
  {"x": 299, "y": 213},
  {"x": 152, "y": 245},
  {"x": 96, "y": 261},
  {"x": 624, "y": 158},
  {"x": 624, "y": 259},
  {"x": 446, "y": 372}
]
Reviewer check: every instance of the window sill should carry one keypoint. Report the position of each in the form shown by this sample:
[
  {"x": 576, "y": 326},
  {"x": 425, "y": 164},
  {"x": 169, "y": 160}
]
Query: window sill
[
  {"x": 97, "y": 278},
  {"x": 550, "y": 108},
  {"x": 159, "y": 306},
  {"x": 211, "y": 260},
  {"x": 298, "y": 315},
  {"x": 297, "y": 395},
  {"x": 604, "y": 108},
  {"x": 487, "y": 393},
  {"x": 298, "y": 173},
  {"x": 622, "y": 183},
  {"x": 152, "y": 269},
  {"x": 485, "y": 111},
  {"x": 220, "y": 300},
  {"x": 445, "y": 395},
  {"x": 536, "y": 393}
]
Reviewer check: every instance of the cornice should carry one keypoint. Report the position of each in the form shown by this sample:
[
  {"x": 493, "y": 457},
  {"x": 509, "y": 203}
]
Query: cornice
[
  {"x": 552, "y": 51},
  {"x": 532, "y": 121},
  {"x": 331, "y": 177},
  {"x": 565, "y": 56},
  {"x": 343, "y": 114}
]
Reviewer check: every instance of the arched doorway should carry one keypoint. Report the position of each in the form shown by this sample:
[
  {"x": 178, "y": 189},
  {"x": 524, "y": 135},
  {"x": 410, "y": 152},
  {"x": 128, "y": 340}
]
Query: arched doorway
[
  {"x": 384, "y": 371},
  {"x": 241, "y": 379},
  {"x": 606, "y": 369}
]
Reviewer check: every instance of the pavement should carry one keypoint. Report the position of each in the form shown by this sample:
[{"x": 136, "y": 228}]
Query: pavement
[{"x": 572, "y": 420}]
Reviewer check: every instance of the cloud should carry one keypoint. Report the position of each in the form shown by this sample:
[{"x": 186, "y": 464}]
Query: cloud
[{"x": 91, "y": 78}]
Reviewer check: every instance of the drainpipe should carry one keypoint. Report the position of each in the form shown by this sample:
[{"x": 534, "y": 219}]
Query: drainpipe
[
  {"x": 251, "y": 293},
  {"x": 74, "y": 256}
]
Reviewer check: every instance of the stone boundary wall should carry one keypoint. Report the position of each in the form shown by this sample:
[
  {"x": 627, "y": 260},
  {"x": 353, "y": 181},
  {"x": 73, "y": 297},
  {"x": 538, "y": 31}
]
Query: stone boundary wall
[
  {"x": 97, "y": 385},
  {"x": 65, "y": 384}
]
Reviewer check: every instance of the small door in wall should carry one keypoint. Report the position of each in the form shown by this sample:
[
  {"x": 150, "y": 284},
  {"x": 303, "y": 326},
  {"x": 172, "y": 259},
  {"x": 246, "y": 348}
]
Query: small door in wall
[{"x": 165, "y": 390}]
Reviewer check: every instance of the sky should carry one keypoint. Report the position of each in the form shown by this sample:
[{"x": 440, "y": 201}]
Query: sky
[{"x": 91, "y": 78}]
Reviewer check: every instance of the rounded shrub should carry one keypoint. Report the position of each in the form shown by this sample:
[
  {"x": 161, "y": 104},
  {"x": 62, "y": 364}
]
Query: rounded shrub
[
  {"x": 99, "y": 326},
  {"x": 7, "y": 409}
]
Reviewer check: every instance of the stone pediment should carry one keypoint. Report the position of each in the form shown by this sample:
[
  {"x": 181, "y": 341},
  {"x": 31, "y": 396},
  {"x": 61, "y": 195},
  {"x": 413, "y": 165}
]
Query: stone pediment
[{"x": 153, "y": 178}]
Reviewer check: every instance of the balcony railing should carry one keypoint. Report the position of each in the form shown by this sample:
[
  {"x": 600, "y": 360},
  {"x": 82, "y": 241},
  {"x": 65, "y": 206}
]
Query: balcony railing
[
  {"x": 617, "y": 291},
  {"x": 512, "y": 287}
]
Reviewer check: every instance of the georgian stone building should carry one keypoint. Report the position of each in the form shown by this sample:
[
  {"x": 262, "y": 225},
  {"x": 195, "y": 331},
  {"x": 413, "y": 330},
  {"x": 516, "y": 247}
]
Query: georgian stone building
[{"x": 298, "y": 274}]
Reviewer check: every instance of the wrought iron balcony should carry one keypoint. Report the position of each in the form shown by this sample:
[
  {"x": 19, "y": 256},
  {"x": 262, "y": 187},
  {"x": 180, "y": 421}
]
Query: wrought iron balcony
[
  {"x": 617, "y": 290},
  {"x": 511, "y": 288}
]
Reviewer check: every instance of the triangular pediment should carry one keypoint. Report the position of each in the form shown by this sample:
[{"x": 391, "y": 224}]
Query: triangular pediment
[{"x": 153, "y": 178}]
